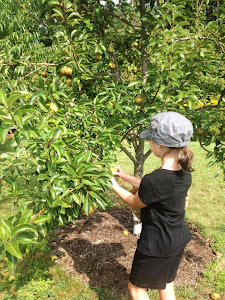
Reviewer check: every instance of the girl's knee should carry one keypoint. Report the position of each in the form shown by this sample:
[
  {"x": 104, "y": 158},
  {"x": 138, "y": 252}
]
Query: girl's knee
[
  {"x": 135, "y": 291},
  {"x": 130, "y": 287}
]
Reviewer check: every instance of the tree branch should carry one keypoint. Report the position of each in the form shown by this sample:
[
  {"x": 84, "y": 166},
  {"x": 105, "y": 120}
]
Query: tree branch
[
  {"x": 37, "y": 215},
  {"x": 128, "y": 154},
  {"x": 146, "y": 155},
  {"x": 202, "y": 146},
  {"x": 29, "y": 64},
  {"x": 212, "y": 105},
  {"x": 126, "y": 133},
  {"x": 207, "y": 38},
  {"x": 123, "y": 20},
  {"x": 21, "y": 78},
  {"x": 133, "y": 139},
  {"x": 29, "y": 13}
]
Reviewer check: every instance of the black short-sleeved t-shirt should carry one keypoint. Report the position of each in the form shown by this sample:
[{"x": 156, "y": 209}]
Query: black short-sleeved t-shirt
[{"x": 164, "y": 231}]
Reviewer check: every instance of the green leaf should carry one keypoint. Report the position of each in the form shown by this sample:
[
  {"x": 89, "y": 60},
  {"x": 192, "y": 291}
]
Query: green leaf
[
  {"x": 53, "y": 2},
  {"x": 3, "y": 98},
  {"x": 86, "y": 206},
  {"x": 70, "y": 170},
  {"x": 58, "y": 12},
  {"x": 4, "y": 114},
  {"x": 66, "y": 193},
  {"x": 211, "y": 163},
  {"x": 88, "y": 182},
  {"x": 191, "y": 102},
  {"x": 77, "y": 198},
  {"x": 57, "y": 148},
  {"x": 18, "y": 118},
  {"x": 15, "y": 96},
  {"x": 26, "y": 217},
  {"x": 28, "y": 108},
  {"x": 26, "y": 238},
  {"x": 2, "y": 250},
  {"x": 3, "y": 134},
  {"x": 184, "y": 23},
  {"x": 169, "y": 6},
  {"x": 132, "y": 83},
  {"x": 43, "y": 229},
  {"x": 5, "y": 229},
  {"x": 11, "y": 261},
  {"x": 41, "y": 220},
  {"x": 23, "y": 228},
  {"x": 13, "y": 248},
  {"x": 97, "y": 199},
  {"x": 60, "y": 202},
  {"x": 42, "y": 177},
  {"x": 100, "y": 202},
  {"x": 42, "y": 105}
]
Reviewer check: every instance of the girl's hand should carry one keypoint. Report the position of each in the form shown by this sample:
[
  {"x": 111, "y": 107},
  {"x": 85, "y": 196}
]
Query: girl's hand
[{"x": 120, "y": 173}]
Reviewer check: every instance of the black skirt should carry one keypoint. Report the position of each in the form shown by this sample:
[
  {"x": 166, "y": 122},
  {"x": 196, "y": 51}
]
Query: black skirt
[{"x": 154, "y": 272}]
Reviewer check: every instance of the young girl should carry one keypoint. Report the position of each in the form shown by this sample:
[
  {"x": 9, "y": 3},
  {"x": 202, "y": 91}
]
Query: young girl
[{"x": 161, "y": 198}]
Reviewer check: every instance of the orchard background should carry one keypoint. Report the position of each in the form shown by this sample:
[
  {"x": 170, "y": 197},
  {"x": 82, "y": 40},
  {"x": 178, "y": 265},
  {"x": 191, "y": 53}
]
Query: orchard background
[{"x": 80, "y": 79}]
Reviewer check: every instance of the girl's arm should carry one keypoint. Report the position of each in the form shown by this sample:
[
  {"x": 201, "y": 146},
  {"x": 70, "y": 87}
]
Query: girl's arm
[
  {"x": 134, "y": 181},
  {"x": 132, "y": 200}
]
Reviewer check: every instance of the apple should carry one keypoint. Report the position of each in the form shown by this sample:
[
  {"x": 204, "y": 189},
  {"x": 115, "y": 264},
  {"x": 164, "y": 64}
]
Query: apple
[
  {"x": 66, "y": 71},
  {"x": 215, "y": 296},
  {"x": 69, "y": 82},
  {"x": 110, "y": 48},
  {"x": 111, "y": 65},
  {"x": 139, "y": 99},
  {"x": 95, "y": 120},
  {"x": 98, "y": 56},
  {"x": 91, "y": 210},
  {"x": 53, "y": 107},
  {"x": 44, "y": 74},
  {"x": 113, "y": 169}
]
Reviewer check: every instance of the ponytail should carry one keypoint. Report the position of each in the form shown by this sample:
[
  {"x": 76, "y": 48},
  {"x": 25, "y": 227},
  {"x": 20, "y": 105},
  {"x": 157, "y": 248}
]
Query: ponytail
[{"x": 186, "y": 159}]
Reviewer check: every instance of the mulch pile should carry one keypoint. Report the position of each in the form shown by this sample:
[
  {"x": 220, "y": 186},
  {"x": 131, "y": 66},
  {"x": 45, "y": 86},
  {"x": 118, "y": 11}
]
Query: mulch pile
[{"x": 96, "y": 250}]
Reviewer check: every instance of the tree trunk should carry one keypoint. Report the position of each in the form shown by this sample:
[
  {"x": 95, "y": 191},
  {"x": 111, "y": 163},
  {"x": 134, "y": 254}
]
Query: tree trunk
[{"x": 139, "y": 159}]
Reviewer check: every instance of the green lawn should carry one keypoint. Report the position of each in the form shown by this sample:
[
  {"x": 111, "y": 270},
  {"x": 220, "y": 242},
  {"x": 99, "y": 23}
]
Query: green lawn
[{"x": 38, "y": 277}]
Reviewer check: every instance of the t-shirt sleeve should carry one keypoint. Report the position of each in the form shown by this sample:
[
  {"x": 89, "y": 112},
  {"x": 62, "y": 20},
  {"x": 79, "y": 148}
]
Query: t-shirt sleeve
[{"x": 148, "y": 192}]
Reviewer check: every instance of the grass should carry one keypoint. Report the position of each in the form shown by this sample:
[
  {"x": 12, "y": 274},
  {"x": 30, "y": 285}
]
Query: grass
[{"x": 38, "y": 276}]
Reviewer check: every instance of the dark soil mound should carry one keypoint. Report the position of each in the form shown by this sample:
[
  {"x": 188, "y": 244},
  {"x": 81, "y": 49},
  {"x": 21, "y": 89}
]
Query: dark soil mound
[{"x": 97, "y": 251}]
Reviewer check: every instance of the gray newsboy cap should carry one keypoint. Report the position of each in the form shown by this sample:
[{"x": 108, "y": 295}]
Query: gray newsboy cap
[{"x": 169, "y": 129}]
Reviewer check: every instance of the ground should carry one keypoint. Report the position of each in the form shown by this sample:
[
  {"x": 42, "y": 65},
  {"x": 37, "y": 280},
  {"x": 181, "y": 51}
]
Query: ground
[{"x": 96, "y": 250}]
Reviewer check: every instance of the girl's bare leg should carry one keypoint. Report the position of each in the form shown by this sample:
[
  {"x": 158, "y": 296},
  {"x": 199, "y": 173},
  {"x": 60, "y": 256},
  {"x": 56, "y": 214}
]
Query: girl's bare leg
[
  {"x": 167, "y": 293},
  {"x": 137, "y": 293}
]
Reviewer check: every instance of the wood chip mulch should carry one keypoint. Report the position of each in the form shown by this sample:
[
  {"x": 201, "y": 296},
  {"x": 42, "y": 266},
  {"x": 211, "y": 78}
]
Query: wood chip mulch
[{"x": 96, "y": 250}]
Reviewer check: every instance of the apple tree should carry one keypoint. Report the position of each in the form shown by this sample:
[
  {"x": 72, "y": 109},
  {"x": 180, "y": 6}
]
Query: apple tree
[{"x": 63, "y": 151}]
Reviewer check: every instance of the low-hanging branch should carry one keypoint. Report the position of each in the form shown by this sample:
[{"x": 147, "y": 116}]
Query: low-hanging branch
[
  {"x": 27, "y": 75},
  {"x": 129, "y": 154},
  {"x": 202, "y": 146}
]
